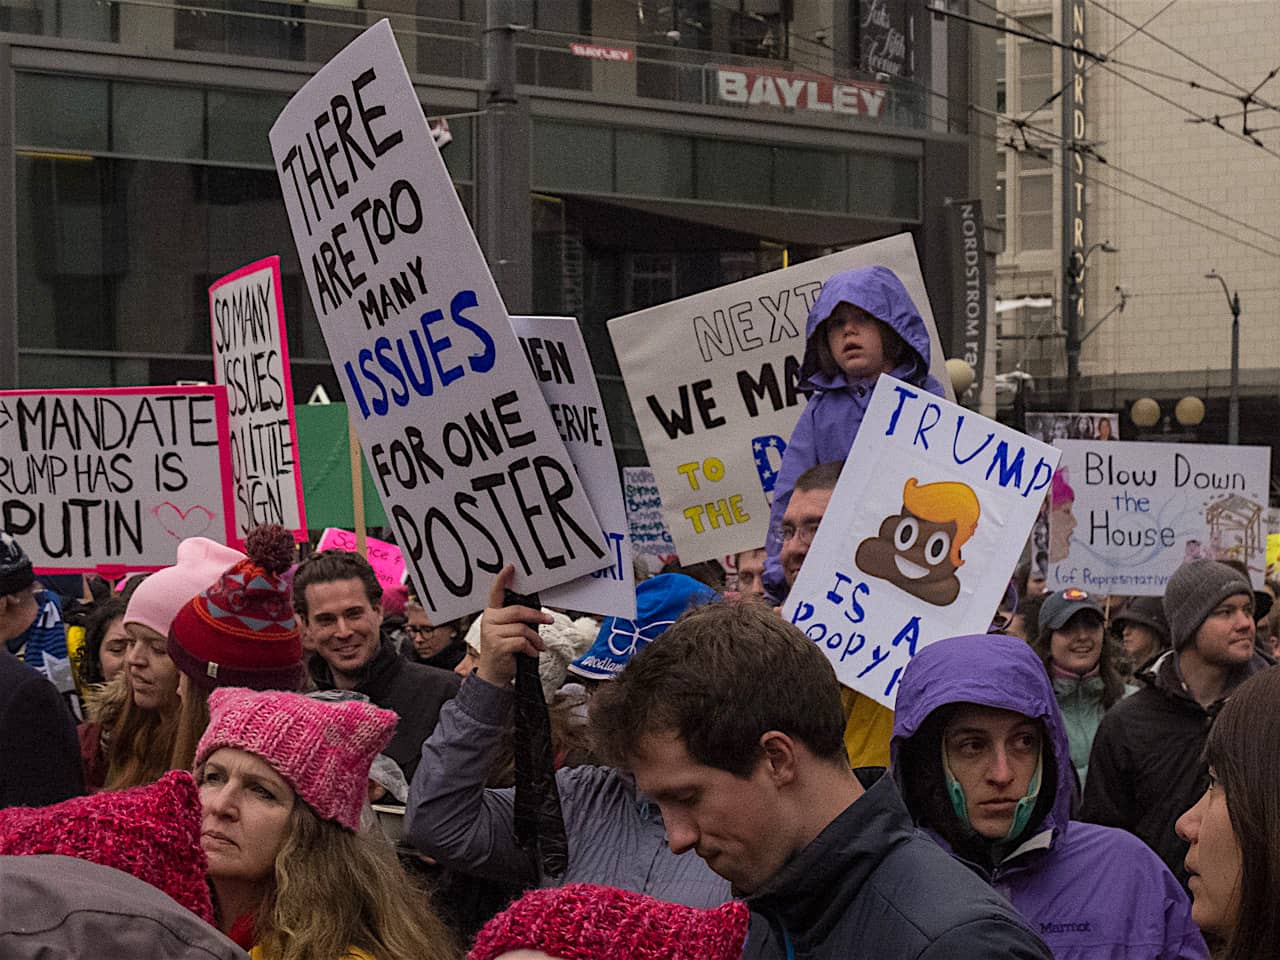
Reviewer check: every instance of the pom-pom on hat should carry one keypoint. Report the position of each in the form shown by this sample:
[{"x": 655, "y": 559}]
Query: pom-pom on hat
[
  {"x": 159, "y": 597},
  {"x": 659, "y": 602},
  {"x": 151, "y": 832},
  {"x": 15, "y": 566},
  {"x": 585, "y": 922},
  {"x": 241, "y": 631},
  {"x": 324, "y": 750}
]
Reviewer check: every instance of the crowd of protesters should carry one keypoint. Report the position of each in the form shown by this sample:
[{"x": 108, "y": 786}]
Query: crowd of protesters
[{"x": 263, "y": 753}]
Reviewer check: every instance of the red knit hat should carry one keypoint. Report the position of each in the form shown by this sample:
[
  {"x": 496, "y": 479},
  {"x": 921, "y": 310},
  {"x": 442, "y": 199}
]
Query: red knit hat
[
  {"x": 151, "y": 832},
  {"x": 241, "y": 631},
  {"x": 324, "y": 750},
  {"x": 585, "y": 922}
]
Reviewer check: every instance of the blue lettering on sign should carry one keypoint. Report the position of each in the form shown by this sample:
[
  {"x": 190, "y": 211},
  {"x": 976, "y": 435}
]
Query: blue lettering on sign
[
  {"x": 761, "y": 447},
  {"x": 614, "y": 543},
  {"x": 383, "y": 376}
]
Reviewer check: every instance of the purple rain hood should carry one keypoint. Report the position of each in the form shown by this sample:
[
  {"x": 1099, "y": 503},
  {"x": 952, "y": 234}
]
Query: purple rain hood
[
  {"x": 878, "y": 291},
  {"x": 1087, "y": 890}
]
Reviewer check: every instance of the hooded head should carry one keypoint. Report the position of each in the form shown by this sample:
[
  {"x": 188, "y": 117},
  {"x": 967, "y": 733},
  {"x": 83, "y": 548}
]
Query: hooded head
[
  {"x": 988, "y": 671},
  {"x": 879, "y": 292}
]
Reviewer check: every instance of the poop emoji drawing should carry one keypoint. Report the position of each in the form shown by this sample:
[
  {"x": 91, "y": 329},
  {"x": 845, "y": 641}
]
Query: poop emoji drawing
[{"x": 918, "y": 550}]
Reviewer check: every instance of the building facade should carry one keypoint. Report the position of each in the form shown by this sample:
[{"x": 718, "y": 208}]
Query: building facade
[
  {"x": 652, "y": 150},
  {"x": 1122, "y": 185}
]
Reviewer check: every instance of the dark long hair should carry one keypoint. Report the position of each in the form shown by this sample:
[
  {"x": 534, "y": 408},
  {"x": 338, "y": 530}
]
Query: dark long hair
[
  {"x": 1112, "y": 680},
  {"x": 1244, "y": 751}
]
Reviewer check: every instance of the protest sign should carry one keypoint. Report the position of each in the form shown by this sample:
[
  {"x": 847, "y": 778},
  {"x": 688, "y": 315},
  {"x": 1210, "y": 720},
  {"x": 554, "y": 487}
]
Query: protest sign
[
  {"x": 559, "y": 360},
  {"x": 712, "y": 381},
  {"x": 251, "y": 359},
  {"x": 462, "y": 446},
  {"x": 1125, "y": 516},
  {"x": 385, "y": 558},
  {"x": 112, "y": 479},
  {"x": 925, "y": 527},
  {"x": 649, "y": 534}
]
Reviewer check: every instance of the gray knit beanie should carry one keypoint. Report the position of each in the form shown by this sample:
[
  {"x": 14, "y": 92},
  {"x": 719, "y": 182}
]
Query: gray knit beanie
[
  {"x": 1193, "y": 591},
  {"x": 15, "y": 566}
]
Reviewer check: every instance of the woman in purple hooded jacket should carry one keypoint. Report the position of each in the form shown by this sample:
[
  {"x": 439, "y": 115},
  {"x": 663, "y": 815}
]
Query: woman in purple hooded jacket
[
  {"x": 863, "y": 324},
  {"x": 981, "y": 755}
]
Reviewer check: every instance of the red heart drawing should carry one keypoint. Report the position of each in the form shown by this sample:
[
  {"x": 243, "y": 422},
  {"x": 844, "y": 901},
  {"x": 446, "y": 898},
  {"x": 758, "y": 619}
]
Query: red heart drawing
[{"x": 181, "y": 524}]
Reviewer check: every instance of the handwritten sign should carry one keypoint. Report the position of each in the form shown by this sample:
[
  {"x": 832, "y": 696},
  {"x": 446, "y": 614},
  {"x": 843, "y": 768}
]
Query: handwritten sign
[
  {"x": 1125, "y": 516},
  {"x": 560, "y": 363},
  {"x": 385, "y": 558},
  {"x": 462, "y": 446},
  {"x": 649, "y": 534},
  {"x": 112, "y": 479},
  {"x": 712, "y": 381},
  {"x": 251, "y": 359},
  {"x": 925, "y": 525}
]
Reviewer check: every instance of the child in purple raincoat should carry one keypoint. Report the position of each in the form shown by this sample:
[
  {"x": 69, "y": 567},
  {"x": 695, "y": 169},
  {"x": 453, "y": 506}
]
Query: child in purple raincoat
[{"x": 863, "y": 324}]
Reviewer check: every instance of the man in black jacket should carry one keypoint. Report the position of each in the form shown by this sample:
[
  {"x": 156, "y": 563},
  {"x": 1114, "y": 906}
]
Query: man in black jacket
[
  {"x": 338, "y": 598},
  {"x": 731, "y": 722},
  {"x": 39, "y": 754},
  {"x": 1145, "y": 768}
]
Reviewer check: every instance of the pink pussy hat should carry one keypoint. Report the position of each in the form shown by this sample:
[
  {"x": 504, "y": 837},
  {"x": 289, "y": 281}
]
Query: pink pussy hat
[
  {"x": 323, "y": 749},
  {"x": 159, "y": 597}
]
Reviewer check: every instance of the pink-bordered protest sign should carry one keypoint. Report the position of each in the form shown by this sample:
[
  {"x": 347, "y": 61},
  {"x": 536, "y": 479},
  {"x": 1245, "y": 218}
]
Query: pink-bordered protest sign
[
  {"x": 251, "y": 359},
  {"x": 111, "y": 479},
  {"x": 385, "y": 558}
]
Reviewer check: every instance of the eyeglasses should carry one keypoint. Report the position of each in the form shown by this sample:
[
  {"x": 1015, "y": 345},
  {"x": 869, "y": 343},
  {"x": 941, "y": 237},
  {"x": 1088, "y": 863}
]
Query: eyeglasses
[{"x": 804, "y": 533}]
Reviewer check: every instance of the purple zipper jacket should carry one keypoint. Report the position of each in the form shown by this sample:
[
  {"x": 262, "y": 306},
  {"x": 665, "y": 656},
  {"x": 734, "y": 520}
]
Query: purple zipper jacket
[
  {"x": 1088, "y": 891},
  {"x": 831, "y": 418}
]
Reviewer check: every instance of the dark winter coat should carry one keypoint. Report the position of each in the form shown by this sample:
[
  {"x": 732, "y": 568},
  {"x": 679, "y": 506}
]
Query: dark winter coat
[
  {"x": 1145, "y": 769},
  {"x": 872, "y": 886},
  {"x": 39, "y": 750},
  {"x": 414, "y": 691}
]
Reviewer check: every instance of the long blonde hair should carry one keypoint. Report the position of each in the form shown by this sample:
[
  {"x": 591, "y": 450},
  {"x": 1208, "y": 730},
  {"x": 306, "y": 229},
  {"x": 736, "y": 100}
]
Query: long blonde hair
[
  {"x": 335, "y": 889},
  {"x": 189, "y": 725},
  {"x": 137, "y": 741}
]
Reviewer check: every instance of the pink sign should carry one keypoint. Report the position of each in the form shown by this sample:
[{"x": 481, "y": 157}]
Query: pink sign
[
  {"x": 385, "y": 558},
  {"x": 112, "y": 479},
  {"x": 251, "y": 359}
]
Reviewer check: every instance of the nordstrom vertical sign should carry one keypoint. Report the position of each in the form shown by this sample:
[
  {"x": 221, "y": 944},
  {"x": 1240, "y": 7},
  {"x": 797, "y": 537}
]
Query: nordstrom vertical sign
[{"x": 1073, "y": 106}]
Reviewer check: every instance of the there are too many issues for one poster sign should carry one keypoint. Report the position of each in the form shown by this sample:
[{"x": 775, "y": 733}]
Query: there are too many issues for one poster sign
[
  {"x": 251, "y": 359},
  {"x": 935, "y": 505},
  {"x": 112, "y": 479},
  {"x": 462, "y": 446}
]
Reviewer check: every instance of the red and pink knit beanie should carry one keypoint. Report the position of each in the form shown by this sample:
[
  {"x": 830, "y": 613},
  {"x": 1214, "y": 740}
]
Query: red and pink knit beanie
[
  {"x": 323, "y": 749},
  {"x": 581, "y": 921},
  {"x": 241, "y": 631},
  {"x": 151, "y": 832}
]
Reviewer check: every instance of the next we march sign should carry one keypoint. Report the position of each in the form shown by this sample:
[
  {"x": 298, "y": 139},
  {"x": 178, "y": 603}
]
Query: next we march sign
[
  {"x": 921, "y": 535},
  {"x": 1124, "y": 516},
  {"x": 461, "y": 444},
  {"x": 712, "y": 381}
]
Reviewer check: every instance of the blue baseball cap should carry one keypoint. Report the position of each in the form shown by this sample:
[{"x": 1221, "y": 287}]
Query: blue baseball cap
[{"x": 659, "y": 602}]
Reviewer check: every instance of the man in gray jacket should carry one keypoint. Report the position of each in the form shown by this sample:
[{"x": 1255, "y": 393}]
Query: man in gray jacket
[
  {"x": 615, "y": 836},
  {"x": 731, "y": 722}
]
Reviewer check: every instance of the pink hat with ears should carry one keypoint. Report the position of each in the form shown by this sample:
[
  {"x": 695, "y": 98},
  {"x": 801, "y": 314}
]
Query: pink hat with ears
[
  {"x": 160, "y": 596},
  {"x": 323, "y": 749}
]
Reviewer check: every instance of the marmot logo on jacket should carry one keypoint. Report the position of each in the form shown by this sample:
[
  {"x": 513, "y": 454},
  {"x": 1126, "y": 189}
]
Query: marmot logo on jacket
[{"x": 1079, "y": 926}]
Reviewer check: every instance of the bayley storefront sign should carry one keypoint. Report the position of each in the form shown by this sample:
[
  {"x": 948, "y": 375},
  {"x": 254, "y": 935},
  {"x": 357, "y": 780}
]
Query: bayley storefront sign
[{"x": 799, "y": 91}]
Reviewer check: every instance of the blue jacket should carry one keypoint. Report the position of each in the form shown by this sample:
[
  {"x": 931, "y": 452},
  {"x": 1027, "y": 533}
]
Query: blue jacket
[
  {"x": 831, "y": 418},
  {"x": 1088, "y": 891}
]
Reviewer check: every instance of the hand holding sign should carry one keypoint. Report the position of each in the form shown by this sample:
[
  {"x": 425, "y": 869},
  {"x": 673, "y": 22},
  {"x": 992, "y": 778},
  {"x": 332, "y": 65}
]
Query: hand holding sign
[{"x": 505, "y": 632}]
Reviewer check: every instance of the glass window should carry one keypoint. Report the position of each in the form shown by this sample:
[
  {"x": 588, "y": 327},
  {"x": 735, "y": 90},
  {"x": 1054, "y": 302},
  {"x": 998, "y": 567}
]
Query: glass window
[
  {"x": 572, "y": 156},
  {"x": 155, "y": 121},
  {"x": 654, "y": 164},
  {"x": 810, "y": 180},
  {"x": 733, "y": 172},
  {"x": 457, "y": 154},
  {"x": 1035, "y": 64},
  {"x": 1035, "y": 203},
  {"x": 884, "y": 186},
  {"x": 238, "y": 125},
  {"x": 66, "y": 113}
]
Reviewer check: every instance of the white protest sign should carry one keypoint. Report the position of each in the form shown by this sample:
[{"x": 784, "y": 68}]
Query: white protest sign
[
  {"x": 559, "y": 360},
  {"x": 712, "y": 381},
  {"x": 645, "y": 522},
  {"x": 462, "y": 447},
  {"x": 112, "y": 479},
  {"x": 251, "y": 359},
  {"x": 921, "y": 535},
  {"x": 1125, "y": 516}
]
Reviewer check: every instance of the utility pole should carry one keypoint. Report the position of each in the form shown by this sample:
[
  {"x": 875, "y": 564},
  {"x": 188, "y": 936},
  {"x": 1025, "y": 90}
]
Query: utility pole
[
  {"x": 503, "y": 217},
  {"x": 1233, "y": 403},
  {"x": 1071, "y": 319}
]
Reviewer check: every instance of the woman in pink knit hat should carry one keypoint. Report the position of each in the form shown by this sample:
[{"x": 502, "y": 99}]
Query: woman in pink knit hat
[{"x": 282, "y": 781}]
